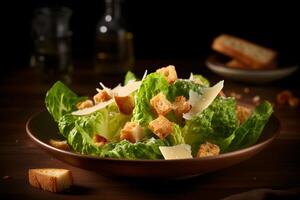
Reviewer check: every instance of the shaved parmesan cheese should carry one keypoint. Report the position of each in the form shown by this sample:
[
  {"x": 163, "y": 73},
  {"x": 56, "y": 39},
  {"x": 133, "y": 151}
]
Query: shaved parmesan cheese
[
  {"x": 145, "y": 74},
  {"x": 118, "y": 91},
  {"x": 191, "y": 76},
  {"x": 180, "y": 151},
  {"x": 90, "y": 110},
  {"x": 201, "y": 102},
  {"x": 126, "y": 90}
]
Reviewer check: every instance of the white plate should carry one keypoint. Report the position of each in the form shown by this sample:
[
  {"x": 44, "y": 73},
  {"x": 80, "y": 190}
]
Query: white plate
[{"x": 250, "y": 76}]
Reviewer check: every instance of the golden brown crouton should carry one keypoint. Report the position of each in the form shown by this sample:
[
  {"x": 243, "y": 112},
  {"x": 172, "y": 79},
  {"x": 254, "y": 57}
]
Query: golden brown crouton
[
  {"x": 101, "y": 96},
  {"x": 63, "y": 145},
  {"x": 125, "y": 104},
  {"x": 169, "y": 72},
  {"x": 50, "y": 179},
  {"x": 132, "y": 132},
  {"x": 161, "y": 127},
  {"x": 84, "y": 104},
  {"x": 160, "y": 104},
  {"x": 208, "y": 149},
  {"x": 181, "y": 106},
  {"x": 99, "y": 140},
  {"x": 242, "y": 113}
]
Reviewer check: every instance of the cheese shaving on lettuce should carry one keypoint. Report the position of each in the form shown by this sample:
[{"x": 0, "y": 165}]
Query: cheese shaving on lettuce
[{"x": 201, "y": 102}]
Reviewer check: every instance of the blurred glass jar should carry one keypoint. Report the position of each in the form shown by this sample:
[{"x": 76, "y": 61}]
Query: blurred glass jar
[
  {"x": 52, "y": 44},
  {"x": 114, "y": 44}
]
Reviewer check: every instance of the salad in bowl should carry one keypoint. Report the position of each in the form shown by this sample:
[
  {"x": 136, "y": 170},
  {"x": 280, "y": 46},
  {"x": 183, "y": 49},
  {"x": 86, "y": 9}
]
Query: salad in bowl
[{"x": 158, "y": 117}]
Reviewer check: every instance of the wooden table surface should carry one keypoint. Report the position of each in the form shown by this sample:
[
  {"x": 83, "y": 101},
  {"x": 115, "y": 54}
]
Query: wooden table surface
[{"x": 277, "y": 167}]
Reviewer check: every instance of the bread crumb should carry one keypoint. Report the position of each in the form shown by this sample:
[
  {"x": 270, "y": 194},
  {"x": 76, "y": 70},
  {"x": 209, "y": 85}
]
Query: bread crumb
[
  {"x": 283, "y": 97},
  {"x": 293, "y": 101},
  {"x": 246, "y": 90},
  {"x": 256, "y": 100},
  {"x": 286, "y": 96},
  {"x": 235, "y": 95}
]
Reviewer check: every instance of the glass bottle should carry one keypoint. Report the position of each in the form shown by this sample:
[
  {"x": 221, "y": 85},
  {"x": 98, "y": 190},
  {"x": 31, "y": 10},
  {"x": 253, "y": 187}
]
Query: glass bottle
[
  {"x": 52, "y": 44},
  {"x": 114, "y": 45}
]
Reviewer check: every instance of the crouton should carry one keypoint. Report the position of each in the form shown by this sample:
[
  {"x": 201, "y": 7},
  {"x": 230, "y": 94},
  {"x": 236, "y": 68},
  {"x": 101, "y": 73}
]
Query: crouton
[
  {"x": 63, "y": 145},
  {"x": 181, "y": 106},
  {"x": 208, "y": 149},
  {"x": 160, "y": 104},
  {"x": 132, "y": 132},
  {"x": 101, "y": 96},
  {"x": 169, "y": 72},
  {"x": 84, "y": 104},
  {"x": 52, "y": 180},
  {"x": 99, "y": 140},
  {"x": 242, "y": 113},
  {"x": 161, "y": 127},
  {"x": 125, "y": 104}
]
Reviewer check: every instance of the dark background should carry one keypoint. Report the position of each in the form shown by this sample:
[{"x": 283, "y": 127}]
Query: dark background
[{"x": 162, "y": 29}]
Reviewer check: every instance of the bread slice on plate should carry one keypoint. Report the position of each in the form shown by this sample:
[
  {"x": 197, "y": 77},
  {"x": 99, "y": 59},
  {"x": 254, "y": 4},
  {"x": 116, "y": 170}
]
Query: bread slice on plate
[
  {"x": 236, "y": 64},
  {"x": 50, "y": 179},
  {"x": 252, "y": 55}
]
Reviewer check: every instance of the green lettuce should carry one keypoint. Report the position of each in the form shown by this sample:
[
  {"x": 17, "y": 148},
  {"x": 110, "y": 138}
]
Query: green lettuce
[
  {"x": 176, "y": 137},
  {"x": 61, "y": 100},
  {"x": 215, "y": 124},
  {"x": 129, "y": 76},
  {"x": 153, "y": 84},
  {"x": 80, "y": 140},
  {"x": 148, "y": 149},
  {"x": 182, "y": 88},
  {"x": 249, "y": 132},
  {"x": 80, "y": 130},
  {"x": 201, "y": 79}
]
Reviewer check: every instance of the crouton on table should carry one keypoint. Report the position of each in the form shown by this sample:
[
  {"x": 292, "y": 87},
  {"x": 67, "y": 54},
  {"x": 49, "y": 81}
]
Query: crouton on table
[{"x": 50, "y": 179}]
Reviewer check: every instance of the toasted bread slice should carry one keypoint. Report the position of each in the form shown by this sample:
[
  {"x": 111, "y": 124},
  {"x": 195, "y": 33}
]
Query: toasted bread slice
[
  {"x": 250, "y": 54},
  {"x": 53, "y": 180},
  {"x": 236, "y": 64}
]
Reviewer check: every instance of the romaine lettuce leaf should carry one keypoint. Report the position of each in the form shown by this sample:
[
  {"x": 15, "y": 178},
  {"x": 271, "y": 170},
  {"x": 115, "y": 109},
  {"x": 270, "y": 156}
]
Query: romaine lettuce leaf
[
  {"x": 61, "y": 100},
  {"x": 182, "y": 88},
  {"x": 176, "y": 137},
  {"x": 249, "y": 132},
  {"x": 129, "y": 76},
  {"x": 215, "y": 124},
  {"x": 200, "y": 79},
  {"x": 76, "y": 136},
  {"x": 147, "y": 149},
  {"x": 106, "y": 122},
  {"x": 151, "y": 86}
]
